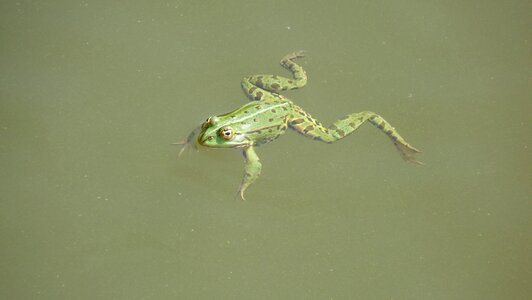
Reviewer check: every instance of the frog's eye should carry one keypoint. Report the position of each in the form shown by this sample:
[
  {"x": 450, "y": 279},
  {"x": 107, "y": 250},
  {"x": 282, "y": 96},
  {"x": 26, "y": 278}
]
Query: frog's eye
[
  {"x": 209, "y": 122},
  {"x": 226, "y": 133},
  {"x": 206, "y": 124}
]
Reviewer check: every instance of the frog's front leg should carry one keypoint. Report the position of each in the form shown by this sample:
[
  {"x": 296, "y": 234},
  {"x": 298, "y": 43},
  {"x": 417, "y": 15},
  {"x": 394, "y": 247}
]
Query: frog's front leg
[
  {"x": 189, "y": 141},
  {"x": 252, "y": 169}
]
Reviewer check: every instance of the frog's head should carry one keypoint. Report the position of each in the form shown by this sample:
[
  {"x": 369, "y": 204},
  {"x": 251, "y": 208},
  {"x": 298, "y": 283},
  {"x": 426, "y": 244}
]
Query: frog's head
[{"x": 218, "y": 133}]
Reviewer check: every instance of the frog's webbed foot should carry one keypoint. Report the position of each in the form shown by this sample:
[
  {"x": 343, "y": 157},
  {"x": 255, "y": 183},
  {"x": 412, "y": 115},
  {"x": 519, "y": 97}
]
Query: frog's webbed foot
[
  {"x": 407, "y": 152},
  {"x": 294, "y": 55},
  {"x": 252, "y": 169},
  {"x": 184, "y": 145},
  {"x": 188, "y": 142}
]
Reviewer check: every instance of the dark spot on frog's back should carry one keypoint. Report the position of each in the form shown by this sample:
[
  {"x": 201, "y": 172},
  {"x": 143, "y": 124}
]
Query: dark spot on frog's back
[
  {"x": 270, "y": 120},
  {"x": 273, "y": 110},
  {"x": 297, "y": 121},
  {"x": 308, "y": 128},
  {"x": 275, "y": 86},
  {"x": 258, "y": 96}
]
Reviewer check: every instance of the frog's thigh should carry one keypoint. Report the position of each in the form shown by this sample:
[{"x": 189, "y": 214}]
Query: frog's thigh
[
  {"x": 310, "y": 127},
  {"x": 252, "y": 170},
  {"x": 256, "y": 93},
  {"x": 275, "y": 83}
]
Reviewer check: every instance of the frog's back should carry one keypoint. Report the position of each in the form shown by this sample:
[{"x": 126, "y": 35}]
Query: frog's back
[{"x": 263, "y": 121}]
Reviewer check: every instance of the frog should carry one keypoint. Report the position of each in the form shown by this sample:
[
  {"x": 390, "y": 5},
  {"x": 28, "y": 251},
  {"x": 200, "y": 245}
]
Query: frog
[{"x": 269, "y": 114}]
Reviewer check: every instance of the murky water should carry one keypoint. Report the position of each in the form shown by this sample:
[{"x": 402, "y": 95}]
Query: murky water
[{"x": 96, "y": 205}]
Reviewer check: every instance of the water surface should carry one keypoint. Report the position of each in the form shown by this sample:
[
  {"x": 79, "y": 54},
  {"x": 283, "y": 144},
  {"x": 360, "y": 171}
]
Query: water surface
[{"x": 96, "y": 205}]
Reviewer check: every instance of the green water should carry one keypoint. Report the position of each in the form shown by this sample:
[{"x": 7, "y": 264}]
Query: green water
[{"x": 96, "y": 205}]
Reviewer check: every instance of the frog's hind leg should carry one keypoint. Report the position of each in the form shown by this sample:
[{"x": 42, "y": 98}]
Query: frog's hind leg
[
  {"x": 267, "y": 87},
  {"x": 303, "y": 123}
]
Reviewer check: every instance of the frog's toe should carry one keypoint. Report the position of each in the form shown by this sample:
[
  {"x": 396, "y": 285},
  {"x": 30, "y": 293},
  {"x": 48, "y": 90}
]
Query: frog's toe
[
  {"x": 184, "y": 146},
  {"x": 407, "y": 152},
  {"x": 241, "y": 194}
]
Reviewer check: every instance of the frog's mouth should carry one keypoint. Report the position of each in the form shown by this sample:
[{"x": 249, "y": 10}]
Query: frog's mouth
[{"x": 206, "y": 141}]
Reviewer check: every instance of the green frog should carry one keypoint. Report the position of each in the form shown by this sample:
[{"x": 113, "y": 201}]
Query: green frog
[{"x": 269, "y": 114}]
